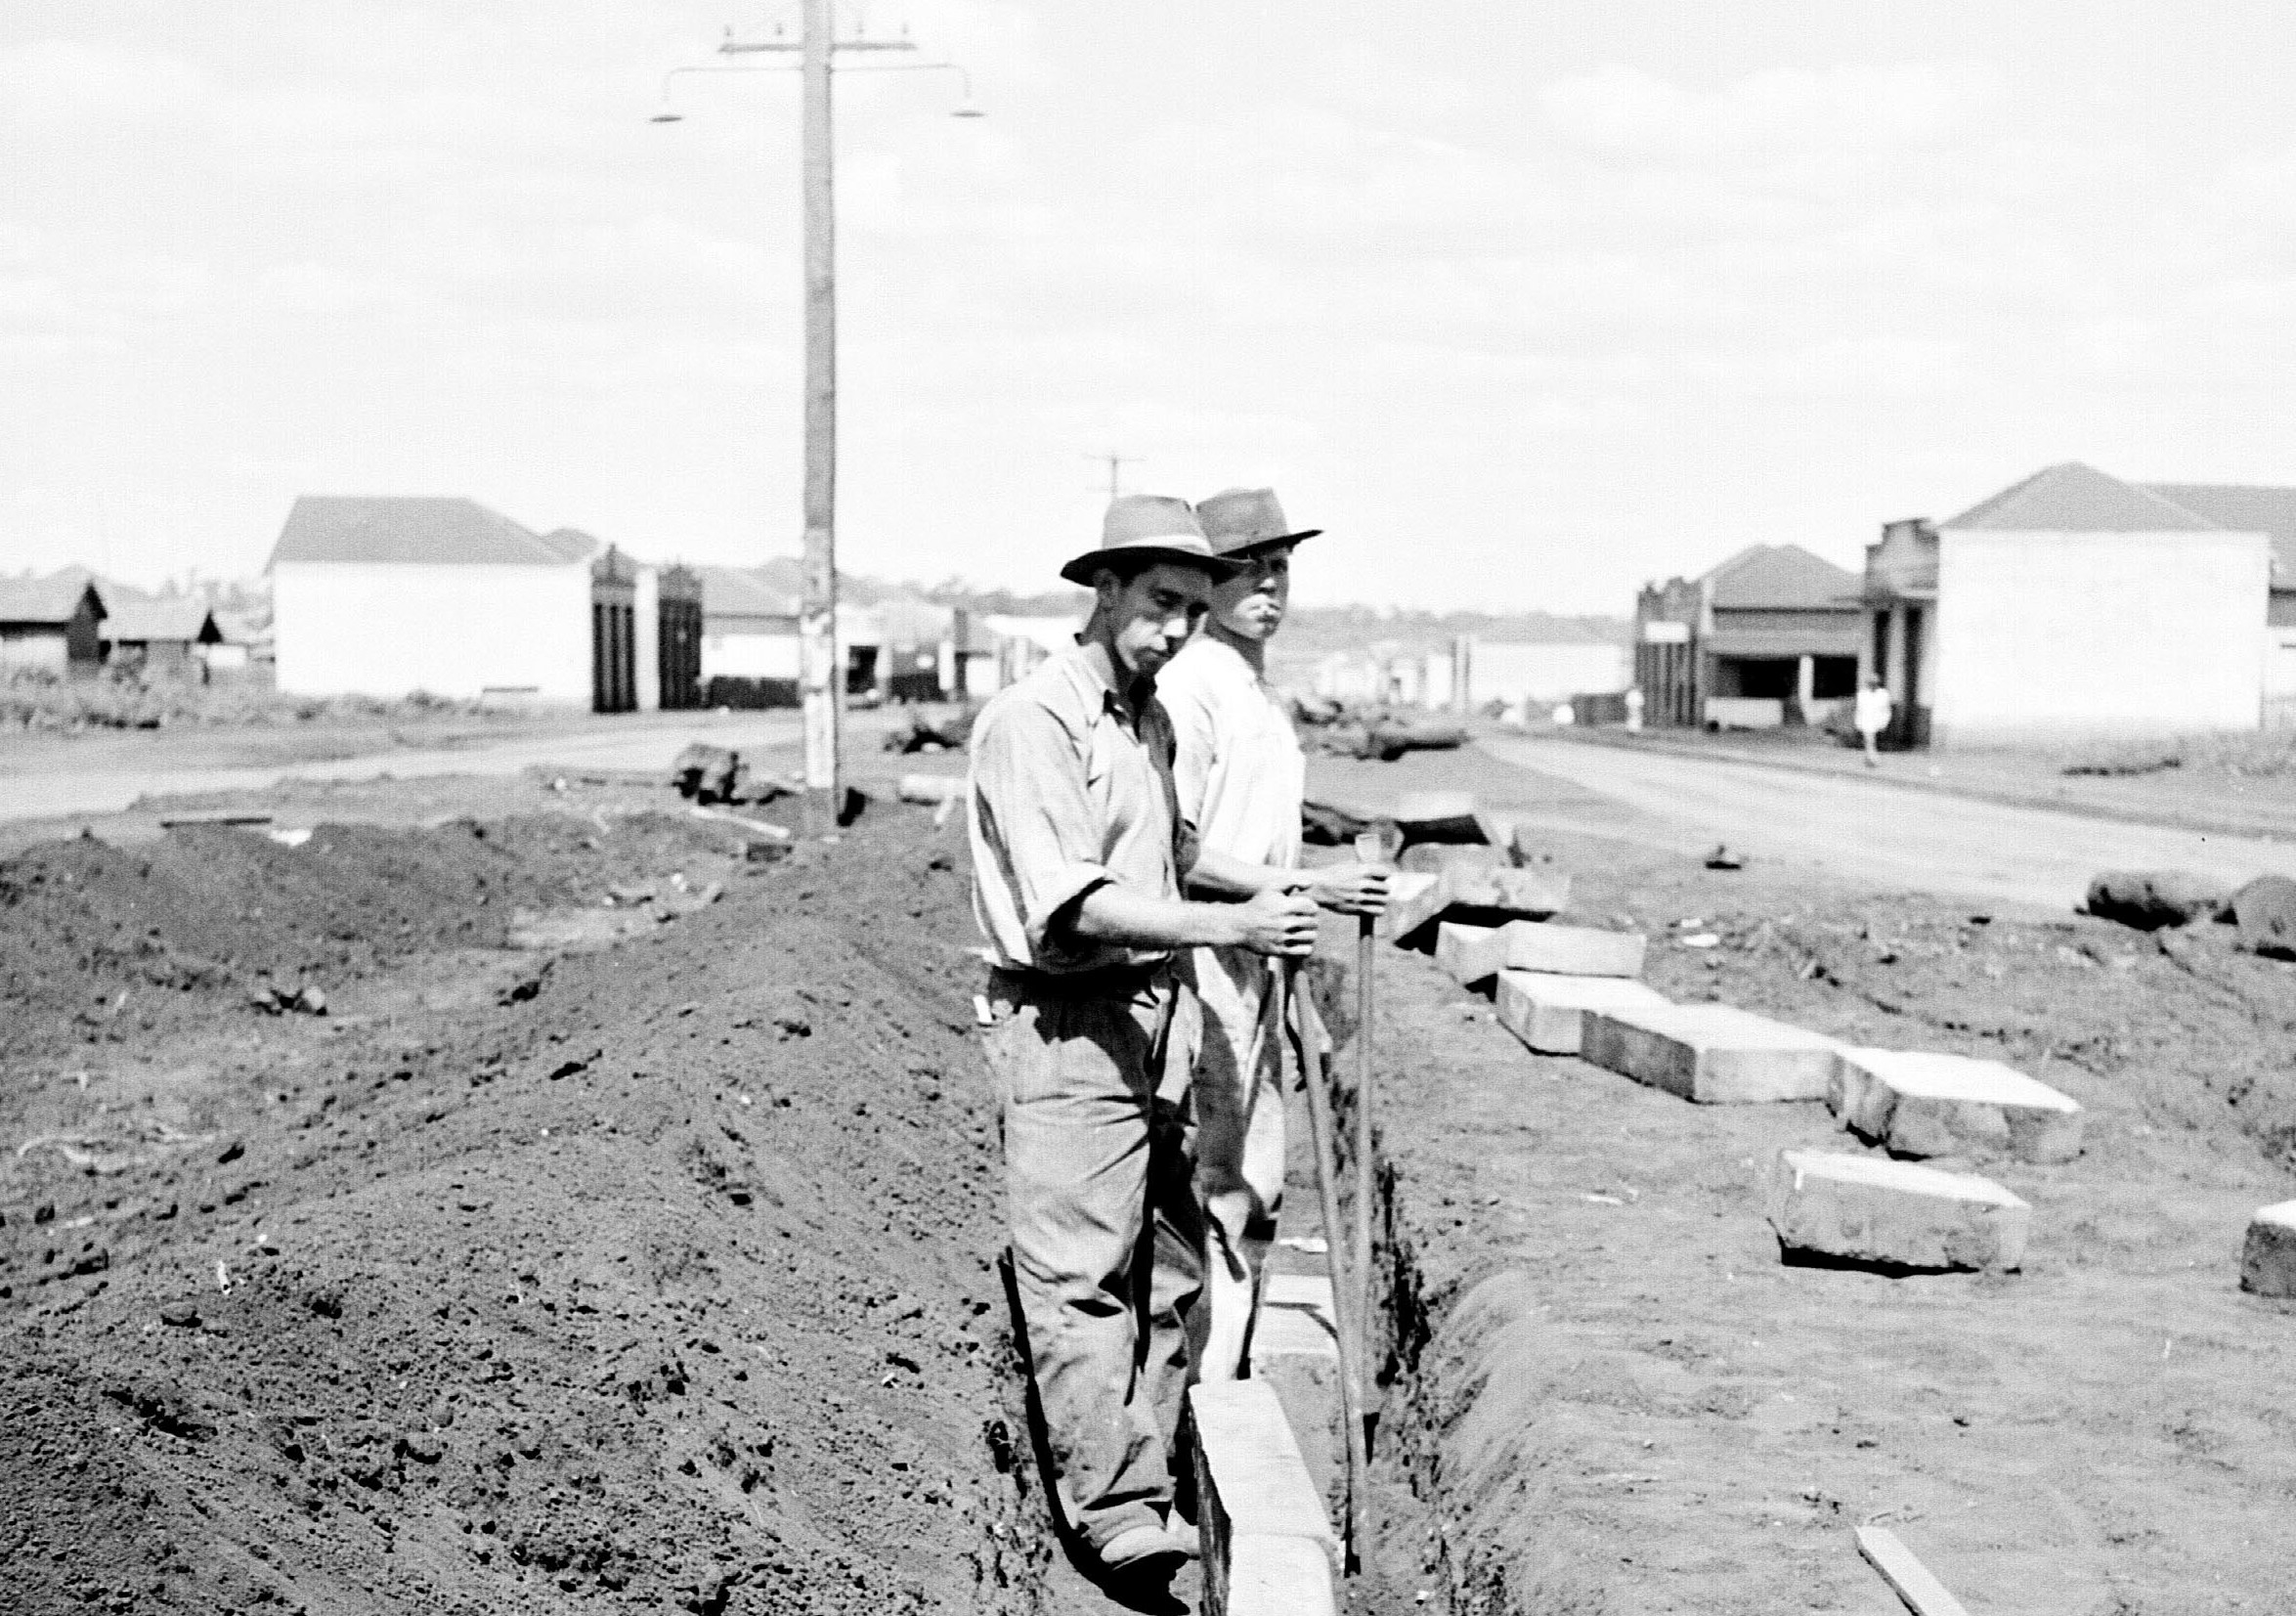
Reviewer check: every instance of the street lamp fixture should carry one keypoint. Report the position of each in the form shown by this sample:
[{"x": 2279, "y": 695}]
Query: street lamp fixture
[{"x": 817, "y": 48}]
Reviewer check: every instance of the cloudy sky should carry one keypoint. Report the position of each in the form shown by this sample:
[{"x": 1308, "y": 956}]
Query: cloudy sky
[{"x": 1525, "y": 302}]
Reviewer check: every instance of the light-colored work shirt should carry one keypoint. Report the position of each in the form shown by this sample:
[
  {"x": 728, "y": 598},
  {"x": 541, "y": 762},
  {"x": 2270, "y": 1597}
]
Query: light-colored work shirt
[
  {"x": 1070, "y": 788},
  {"x": 1237, "y": 769},
  {"x": 1872, "y": 711}
]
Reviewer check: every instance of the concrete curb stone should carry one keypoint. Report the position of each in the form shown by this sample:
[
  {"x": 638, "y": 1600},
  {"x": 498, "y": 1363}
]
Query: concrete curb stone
[
  {"x": 1872, "y": 1211},
  {"x": 1917, "y": 1103},
  {"x": 1253, "y": 1486},
  {"x": 2268, "y": 1259},
  {"x": 1711, "y": 1052},
  {"x": 1547, "y": 1011}
]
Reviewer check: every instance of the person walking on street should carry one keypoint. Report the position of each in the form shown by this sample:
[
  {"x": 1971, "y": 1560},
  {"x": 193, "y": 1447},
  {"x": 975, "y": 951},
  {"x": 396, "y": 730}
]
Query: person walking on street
[
  {"x": 1240, "y": 777},
  {"x": 1079, "y": 858},
  {"x": 1872, "y": 716}
]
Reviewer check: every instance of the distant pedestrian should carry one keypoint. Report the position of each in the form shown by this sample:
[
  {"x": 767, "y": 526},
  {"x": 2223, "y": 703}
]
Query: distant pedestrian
[
  {"x": 1079, "y": 860},
  {"x": 1872, "y": 716},
  {"x": 1635, "y": 709}
]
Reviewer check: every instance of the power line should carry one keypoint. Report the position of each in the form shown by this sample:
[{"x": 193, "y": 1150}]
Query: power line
[{"x": 1116, "y": 463}]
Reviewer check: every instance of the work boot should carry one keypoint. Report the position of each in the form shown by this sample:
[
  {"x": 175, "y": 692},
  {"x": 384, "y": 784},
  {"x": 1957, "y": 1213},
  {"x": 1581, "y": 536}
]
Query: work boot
[{"x": 1147, "y": 1554}]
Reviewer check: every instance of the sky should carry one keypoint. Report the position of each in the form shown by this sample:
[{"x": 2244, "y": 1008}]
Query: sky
[{"x": 1524, "y": 303}]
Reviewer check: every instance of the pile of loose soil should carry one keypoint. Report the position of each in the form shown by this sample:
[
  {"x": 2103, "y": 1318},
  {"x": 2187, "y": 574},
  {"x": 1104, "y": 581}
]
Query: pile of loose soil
[
  {"x": 101, "y": 943},
  {"x": 661, "y": 1282}
]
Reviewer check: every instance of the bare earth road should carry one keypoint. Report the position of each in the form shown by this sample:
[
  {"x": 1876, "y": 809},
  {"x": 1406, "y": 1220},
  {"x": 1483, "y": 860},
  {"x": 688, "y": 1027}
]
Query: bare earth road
[
  {"x": 63, "y": 782},
  {"x": 1868, "y": 830}
]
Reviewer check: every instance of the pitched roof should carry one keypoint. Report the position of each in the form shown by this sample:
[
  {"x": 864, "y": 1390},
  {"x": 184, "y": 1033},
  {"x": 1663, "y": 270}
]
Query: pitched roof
[
  {"x": 409, "y": 531},
  {"x": 743, "y": 592},
  {"x": 2073, "y": 497},
  {"x": 55, "y": 598},
  {"x": 571, "y": 544},
  {"x": 183, "y": 617},
  {"x": 2244, "y": 509},
  {"x": 1781, "y": 578}
]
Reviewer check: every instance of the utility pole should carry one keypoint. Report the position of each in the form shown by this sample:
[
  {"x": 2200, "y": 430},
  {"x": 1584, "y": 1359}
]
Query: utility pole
[
  {"x": 1116, "y": 462},
  {"x": 820, "y": 679}
]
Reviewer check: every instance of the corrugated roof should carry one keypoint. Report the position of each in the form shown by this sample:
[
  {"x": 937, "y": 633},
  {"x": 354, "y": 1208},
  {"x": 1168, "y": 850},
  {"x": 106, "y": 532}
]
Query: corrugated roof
[
  {"x": 55, "y": 598},
  {"x": 2244, "y": 509},
  {"x": 2073, "y": 497},
  {"x": 1782, "y": 577},
  {"x": 182, "y": 617},
  {"x": 400, "y": 530}
]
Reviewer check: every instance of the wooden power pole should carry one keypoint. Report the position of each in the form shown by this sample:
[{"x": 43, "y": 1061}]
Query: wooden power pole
[{"x": 820, "y": 679}]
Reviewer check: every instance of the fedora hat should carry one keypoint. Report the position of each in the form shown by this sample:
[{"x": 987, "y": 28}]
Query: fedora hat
[
  {"x": 1153, "y": 527},
  {"x": 1243, "y": 521}
]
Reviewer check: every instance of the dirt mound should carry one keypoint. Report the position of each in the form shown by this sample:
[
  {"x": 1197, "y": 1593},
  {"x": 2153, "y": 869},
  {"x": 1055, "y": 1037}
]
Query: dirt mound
[
  {"x": 98, "y": 943},
  {"x": 664, "y": 1285}
]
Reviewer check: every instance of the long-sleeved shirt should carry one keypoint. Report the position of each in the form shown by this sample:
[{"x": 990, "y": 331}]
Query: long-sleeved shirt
[{"x": 1070, "y": 789}]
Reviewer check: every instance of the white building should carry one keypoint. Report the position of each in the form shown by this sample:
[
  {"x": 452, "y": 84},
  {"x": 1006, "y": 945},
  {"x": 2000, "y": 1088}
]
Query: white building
[
  {"x": 2070, "y": 604},
  {"x": 385, "y": 596}
]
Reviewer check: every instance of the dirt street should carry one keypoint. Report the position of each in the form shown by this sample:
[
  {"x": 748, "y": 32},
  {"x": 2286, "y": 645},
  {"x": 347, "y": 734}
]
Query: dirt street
[
  {"x": 55, "y": 777},
  {"x": 1871, "y": 832}
]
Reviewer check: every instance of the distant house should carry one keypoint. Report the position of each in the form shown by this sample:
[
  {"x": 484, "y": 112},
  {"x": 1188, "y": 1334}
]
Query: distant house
[
  {"x": 1769, "y": 636},
  {"x": 388, "y": 596},
  {"x": 2074, "y": 603},
  {"x": 888, "y": 642},
  {"x": 53, "y": 624},
  {"x": 170, "y": 634},
  {"x": 1564, "y": 663}
]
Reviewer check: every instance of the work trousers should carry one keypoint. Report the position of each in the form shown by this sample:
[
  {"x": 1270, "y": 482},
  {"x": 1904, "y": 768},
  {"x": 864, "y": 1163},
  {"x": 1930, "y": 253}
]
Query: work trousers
[
  {"x": 1108, "y": 1237},
  {"x": 1237, "y": 1092}
]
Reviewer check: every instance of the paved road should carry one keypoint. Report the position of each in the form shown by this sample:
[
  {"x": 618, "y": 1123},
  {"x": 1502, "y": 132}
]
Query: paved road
[
  {"x": 1872, "y": 831},
  {"x": 650, "y": 742}
]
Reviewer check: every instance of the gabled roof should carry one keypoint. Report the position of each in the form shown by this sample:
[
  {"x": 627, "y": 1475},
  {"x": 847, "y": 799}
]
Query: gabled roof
[
  {"x": 2244, "y": 509},
  {"x": 54, "y": 600},
  {"x": 743, "y": 592},
  {"x": 1781, "y": 578},
  {"x": 408, "y": 530},
  {"x": 182, "y": 617},
  {"x": 571, "y": 544},
  {"x": 2073, "y": 497}
]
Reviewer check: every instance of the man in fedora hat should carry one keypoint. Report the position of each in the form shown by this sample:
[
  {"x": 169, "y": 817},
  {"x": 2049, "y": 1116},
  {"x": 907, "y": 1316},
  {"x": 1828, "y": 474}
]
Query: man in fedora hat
[
  {"x": 1240, "y": 776},
  {"x": 1079, "y": 861}
]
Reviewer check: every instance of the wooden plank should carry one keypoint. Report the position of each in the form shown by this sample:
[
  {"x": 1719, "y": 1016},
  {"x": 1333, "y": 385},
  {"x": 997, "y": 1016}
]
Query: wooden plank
[{"x": 1922, "y": 1593}]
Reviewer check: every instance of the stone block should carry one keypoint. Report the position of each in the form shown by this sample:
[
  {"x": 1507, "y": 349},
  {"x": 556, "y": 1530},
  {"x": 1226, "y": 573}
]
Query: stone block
[
  {"x": 1438, "y": 817},
  {"x": 1920, "y": 1104},
  {"x": 2267, "y": 1261},
  {"x": 2265, "y": 910},
  {"x": 1413, "y": 898},
  {"x": 1440, "y": 857},
  {"x": 1872, "y": 1212},
  {"x": 1711, "y": 1052},
  {"x": 1472, "y": 955},
  {"x": 1501, "y": 889},
  {"x": 1251, "y": 1483},
  {"x": 1274, "y": 1577},
  {"x": 1573, "y": 951},
  {"x": 1547, "y": 1011},
  {"x": 1295, "y": 1350}
]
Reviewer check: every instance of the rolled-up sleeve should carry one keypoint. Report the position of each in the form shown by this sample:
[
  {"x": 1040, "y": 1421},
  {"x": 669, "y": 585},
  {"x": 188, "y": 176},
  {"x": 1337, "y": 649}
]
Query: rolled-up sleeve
[{"x": 1036, "y": 821}]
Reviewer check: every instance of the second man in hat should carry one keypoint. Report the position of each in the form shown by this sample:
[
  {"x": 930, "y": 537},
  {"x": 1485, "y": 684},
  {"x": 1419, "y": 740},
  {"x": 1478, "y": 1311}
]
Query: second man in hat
[{"x": 1240, "y": 778}]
